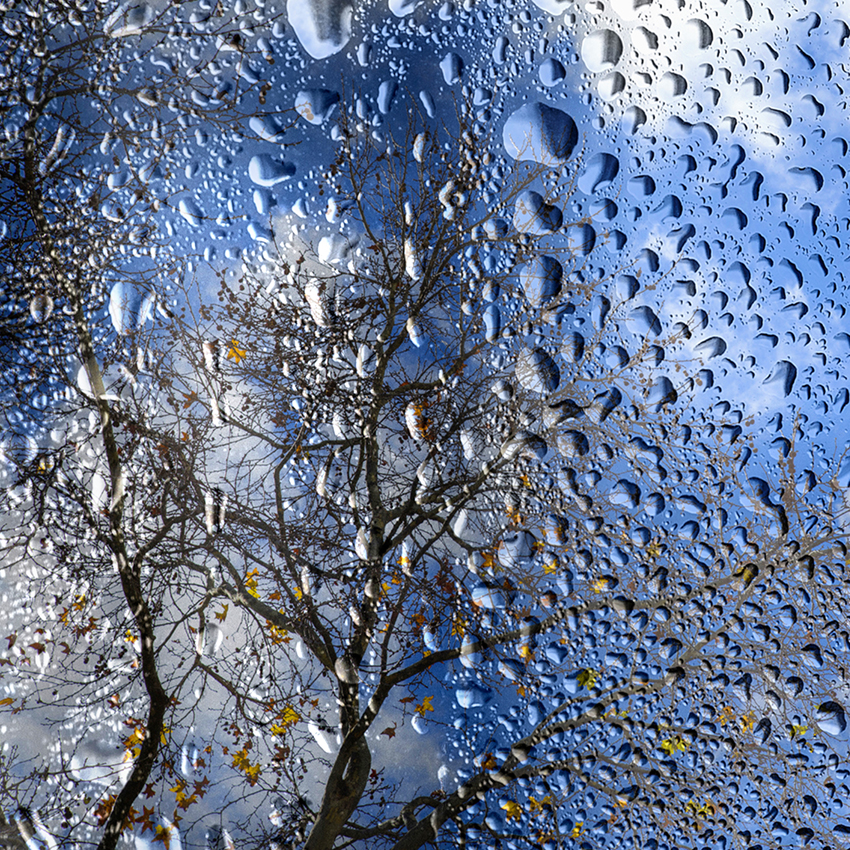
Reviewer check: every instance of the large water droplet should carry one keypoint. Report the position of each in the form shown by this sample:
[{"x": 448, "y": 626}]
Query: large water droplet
[
  {"x": 831, "y": 718},
  {"x": 601, "y": 50},
  {"x": 540, "y": 133},
  {"x": 537, "y": 371},
  {"x": 322, "y": 26},
  {"x": 541, "y": 280}
]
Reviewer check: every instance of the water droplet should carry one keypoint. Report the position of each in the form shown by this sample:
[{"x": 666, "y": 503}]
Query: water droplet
[
  {"x": 600, "y": 171},
  {"x": 540, "y": 133},
  {"x": 601, "y": 50},
  {"x": 322, "y": 26},
  {"x": 315, "y": 105},
  {"x": 41, "y": 308},
  {"x": 264, "y": 170},
  {"x": 541, "y": 280},
  {"x": 537, "y": 371},
  {"x": 532, "y": 215},
  {"x": 831, "y": 718}
]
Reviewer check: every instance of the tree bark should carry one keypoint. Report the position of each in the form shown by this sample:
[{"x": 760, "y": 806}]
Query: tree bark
[
  {"x": 343, "y": 791},
  {"x": 155, "y": 724}
]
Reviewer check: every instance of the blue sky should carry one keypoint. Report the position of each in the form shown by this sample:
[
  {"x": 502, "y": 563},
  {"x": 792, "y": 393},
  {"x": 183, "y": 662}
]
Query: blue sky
[{"x": 728, "y": 159}]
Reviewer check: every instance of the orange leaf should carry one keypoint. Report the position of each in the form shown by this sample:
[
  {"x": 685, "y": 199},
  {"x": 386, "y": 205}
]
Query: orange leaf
[{"x": 489, "y": 762}]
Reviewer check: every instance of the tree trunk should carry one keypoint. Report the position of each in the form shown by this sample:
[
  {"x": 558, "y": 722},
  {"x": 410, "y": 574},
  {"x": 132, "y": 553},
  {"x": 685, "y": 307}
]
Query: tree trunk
[{"x": 342, "y": 795}]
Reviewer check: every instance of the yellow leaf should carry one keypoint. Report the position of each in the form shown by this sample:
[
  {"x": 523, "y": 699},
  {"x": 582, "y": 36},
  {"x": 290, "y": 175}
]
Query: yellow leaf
[
  {"x": 133, "y": 744},
  {"x": 277, "y": 635},
  {"x": 705, "y": 810},
  {"x": 578, "y": 829},
  {"x": 241, "y": 762},
  {"x": 136, "y": 738},
  {"x": 797, "y": 731},
  {"x": 602, "y": 584},
  {"x": 746, "y": 576},
  {"x": 285, "y": 718},
  {"x": 424, "y": 706},
  {"x": 7, "y": 700},
  {"x": 673, "y": 745},
  {"x": 489, "y": 561},
  {"x": 235, "y": 353},
  {"x": 513, "y": 810},
  {"x": 727, "y": 714},
  {"x": 163, "y": 835},
  {"x": 588, "y": 678},
  {"x": 251, "y": 583},
  {"x": 539, "y": 806}
]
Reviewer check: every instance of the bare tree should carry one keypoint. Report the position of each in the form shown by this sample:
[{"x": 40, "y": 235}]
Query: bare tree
[
  {"x": 391, "y": 482},
  {"x": 76, "y": 82},
  {"x": 387, "y": 468}
]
